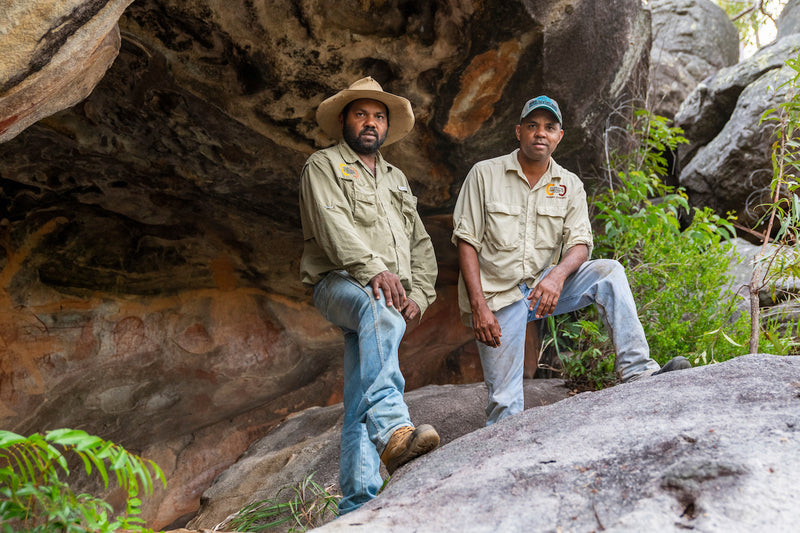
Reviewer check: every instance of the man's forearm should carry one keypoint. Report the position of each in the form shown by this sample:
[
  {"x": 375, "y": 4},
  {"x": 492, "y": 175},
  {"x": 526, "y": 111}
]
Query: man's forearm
[
  {"x": 471, "y": 272},
  {"x": 484, "y": 323},
  {"x": 572, "y": 260}
]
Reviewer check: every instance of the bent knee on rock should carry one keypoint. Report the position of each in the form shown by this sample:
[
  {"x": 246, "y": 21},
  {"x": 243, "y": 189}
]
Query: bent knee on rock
[{"x": 607, "y": 267}]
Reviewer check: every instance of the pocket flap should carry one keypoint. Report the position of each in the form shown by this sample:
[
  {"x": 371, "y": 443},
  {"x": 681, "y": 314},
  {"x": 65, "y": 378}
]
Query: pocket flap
[
  {"x": 552, "y": 210},
  {"x": 508, "y": 209}
]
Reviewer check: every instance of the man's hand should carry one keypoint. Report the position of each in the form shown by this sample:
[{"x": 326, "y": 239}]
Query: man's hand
[
  {"x": 487, "y": 329},
  {"x": 411, "y": 310},
  {"x": 392, "y": 289},
  {"x": 547, "y": 293}
]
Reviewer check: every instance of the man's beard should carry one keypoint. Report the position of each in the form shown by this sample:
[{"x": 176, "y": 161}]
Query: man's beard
[{"x": 359, "y": 146}]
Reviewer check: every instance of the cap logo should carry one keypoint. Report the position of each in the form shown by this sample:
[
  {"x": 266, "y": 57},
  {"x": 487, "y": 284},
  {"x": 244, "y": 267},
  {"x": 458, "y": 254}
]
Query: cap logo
[{"x": 541, "y": 102}]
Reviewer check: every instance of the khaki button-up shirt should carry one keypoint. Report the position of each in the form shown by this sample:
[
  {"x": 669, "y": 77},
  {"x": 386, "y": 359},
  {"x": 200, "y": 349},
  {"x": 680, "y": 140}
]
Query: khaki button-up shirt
[
  {"x": 518, "y": 231},
  {"x": 363, "y": 224}
]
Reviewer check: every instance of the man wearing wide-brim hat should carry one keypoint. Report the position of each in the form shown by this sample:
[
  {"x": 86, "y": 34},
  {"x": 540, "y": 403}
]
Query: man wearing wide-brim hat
[{"x": 372, "y": 266}]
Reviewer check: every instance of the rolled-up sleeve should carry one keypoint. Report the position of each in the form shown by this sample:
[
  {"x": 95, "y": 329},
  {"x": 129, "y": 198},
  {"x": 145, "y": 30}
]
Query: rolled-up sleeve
[
  {"x": 577, "y": 227},
  {"x": 468, "y": 217},
  {"x": 327, "y": 218}
]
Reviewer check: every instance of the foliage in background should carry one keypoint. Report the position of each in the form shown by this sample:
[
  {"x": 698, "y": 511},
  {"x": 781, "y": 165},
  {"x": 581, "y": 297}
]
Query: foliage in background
[
  {"x": 307, "y": 506},
  {"x": 35, "y": 498},
  {"x": 755, "y": 19},
  {"x": 678, "y": 275},
  {"x": 778, "y": 260}
]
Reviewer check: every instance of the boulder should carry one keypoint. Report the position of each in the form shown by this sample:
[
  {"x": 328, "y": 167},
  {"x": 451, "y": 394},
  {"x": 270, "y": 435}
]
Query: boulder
[
  {"x": 709, "y": 106},
  {"x": 789, "y": 20},
  {"x": 778, "y": 297},
  {"x": 692, "y": 39},
  {"x": 727, "y": 164},
  {"x": 308, "y": 443},
  {"x": 733, "y": 171},
  {"x": 52, "y": 55},
  {"x": 712, "y": 448}
]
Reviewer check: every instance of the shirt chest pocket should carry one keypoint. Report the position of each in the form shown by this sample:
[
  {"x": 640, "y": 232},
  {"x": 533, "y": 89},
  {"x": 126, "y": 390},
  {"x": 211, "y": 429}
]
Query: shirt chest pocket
[
  {"x": 365, "y": 208},
  {"x": 550, "y": 225},
  {"x": 363, "y": 203},
  {"x": 405, "y": 204},
  {"x": 502, "y": 225}
]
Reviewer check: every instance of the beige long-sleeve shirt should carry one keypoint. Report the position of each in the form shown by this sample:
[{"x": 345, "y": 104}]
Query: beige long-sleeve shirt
[
  {"x": 363, "y": 224},
  {"x": 517, "y": 230}
]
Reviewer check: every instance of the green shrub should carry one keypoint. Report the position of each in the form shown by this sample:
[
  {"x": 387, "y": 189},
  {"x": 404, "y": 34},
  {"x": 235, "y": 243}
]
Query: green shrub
[
  {"x": 678, "y": 275},
  {"x": 34, "y": 498}
]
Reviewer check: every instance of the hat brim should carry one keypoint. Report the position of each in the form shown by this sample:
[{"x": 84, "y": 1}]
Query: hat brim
[{"x": 401, "y": 116}]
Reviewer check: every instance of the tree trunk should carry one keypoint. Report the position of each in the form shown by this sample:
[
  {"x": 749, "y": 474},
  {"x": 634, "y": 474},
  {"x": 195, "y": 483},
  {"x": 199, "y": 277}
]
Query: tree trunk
[{"x": 755, "y": 307}]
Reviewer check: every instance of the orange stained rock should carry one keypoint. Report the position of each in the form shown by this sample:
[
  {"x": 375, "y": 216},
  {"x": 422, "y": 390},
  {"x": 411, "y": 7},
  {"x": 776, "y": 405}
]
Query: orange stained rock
[
  {"x": 224, "y": 273},
  {"x": 482, "y": 85}
]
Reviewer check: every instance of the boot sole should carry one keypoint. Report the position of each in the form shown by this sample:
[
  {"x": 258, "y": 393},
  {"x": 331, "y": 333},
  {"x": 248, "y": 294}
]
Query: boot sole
[{"x": 423, "y": 440}]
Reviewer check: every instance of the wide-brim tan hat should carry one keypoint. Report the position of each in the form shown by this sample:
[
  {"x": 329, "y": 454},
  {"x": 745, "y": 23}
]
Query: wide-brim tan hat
[{"x": 401, "y": 116}]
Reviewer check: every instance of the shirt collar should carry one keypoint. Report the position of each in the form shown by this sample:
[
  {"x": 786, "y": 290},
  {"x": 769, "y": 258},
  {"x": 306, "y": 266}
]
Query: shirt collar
[
  {"x": 350, "y": 157},
  {"x": 554, "y": 170}
]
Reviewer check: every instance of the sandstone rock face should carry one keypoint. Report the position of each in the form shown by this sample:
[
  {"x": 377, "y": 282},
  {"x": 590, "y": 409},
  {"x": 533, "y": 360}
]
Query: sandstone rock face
[
  {"x": 727, "y": 163},
  {"x": 53, "y": 55},
  {"x": 308, "y": 442},
  {"x": 692, "y": 39},
  {"x": 149, "y": 234},
  {"x": 712, "y": 448}
]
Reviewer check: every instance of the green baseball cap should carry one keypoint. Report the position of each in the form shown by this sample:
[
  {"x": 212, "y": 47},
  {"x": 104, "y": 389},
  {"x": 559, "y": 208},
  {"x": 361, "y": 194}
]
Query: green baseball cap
[{"x": 541, "y": 102}]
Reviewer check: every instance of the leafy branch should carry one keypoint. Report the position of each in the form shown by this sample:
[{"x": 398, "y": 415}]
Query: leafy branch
[
  {"x": 34, "y": 498},
  {"x": 782, "y": 215}
]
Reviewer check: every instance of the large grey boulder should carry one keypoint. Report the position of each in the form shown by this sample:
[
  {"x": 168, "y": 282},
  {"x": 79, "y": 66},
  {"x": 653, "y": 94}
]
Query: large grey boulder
[
  {"x": 709, "y": 106},
  {"x": 692, "y": 39},
  {"x": 726, "y": 164},
  {"x": 713, "y": 448},
  {"x": 308, "y": 442},
  {"x": 789, "y": 21},
  {"x": 733, "y": 171},
  {"x": 779, "y": 297}
]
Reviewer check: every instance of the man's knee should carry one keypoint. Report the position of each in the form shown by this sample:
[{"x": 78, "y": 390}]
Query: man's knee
[{"x": 606, "y": 267}]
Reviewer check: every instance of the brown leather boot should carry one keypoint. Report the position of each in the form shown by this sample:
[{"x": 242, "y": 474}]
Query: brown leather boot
[{"x": 407, "y": 443}]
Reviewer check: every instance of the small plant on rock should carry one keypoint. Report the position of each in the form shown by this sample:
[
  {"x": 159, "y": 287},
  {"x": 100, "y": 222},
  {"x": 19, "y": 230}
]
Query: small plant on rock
[{"x": 301, "y": 507}]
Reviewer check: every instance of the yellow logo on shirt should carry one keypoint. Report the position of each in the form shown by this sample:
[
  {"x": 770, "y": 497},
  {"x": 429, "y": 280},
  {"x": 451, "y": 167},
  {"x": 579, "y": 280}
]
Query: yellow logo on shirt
[
  {"x": 349, "y": 171},
  {"x": 554, "y": 189}
]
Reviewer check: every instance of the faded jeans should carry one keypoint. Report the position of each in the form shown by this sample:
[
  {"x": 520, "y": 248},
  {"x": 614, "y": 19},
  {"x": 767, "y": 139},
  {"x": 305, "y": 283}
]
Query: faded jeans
[
  {"x": 373, "y": 385},
  {"x": 601, "y": 282}
]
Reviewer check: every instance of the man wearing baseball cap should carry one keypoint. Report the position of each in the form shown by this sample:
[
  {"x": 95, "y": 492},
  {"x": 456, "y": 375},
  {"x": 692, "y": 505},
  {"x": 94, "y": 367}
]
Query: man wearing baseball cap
[
  {"x": 521, "y": 225},
  {"x": 372, "y": 266}
]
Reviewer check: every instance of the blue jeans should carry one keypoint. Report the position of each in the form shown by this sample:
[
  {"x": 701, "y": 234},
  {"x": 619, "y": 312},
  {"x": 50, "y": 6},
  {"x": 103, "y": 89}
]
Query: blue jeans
[
  {"x": 602, "y": 282},
  {"x": 373, "y": 385}
]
